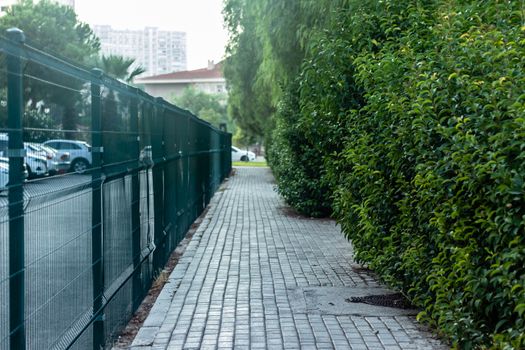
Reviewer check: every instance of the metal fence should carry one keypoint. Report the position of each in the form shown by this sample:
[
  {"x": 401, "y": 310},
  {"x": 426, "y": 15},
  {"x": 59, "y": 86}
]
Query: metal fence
[{"x": 79, "y": 250}]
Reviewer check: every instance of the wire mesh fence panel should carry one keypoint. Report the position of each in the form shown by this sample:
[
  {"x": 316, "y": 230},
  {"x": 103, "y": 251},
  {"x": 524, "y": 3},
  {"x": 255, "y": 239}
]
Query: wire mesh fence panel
[
  {"x": 4, "y": 285},
  {"x": 57, "y": 208},
  {"x": 181, "y": 179},
  {"x": 117, "y": 230},
  {"x": 98, "y": 184},
  {"x": 58, "y": 268},
  {"x": 119, "y": 136},
  {"x": 4, "y": 218},
  {"x": 119, "y": 311},
  {"x": 173, "y": 152},
  {"x": 85, "y": 340}
]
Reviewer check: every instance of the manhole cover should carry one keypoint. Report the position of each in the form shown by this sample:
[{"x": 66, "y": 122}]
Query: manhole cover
[{"x": 396, "y": 300}]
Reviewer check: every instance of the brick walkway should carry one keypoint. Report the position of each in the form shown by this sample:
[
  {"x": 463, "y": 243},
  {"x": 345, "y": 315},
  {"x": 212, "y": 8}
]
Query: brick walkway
[{"x": 255, "y": 276}]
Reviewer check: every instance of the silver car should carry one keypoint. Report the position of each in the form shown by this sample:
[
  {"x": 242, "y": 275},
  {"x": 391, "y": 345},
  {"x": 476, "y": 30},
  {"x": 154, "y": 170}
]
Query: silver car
[{"x": 79, "y": 153}]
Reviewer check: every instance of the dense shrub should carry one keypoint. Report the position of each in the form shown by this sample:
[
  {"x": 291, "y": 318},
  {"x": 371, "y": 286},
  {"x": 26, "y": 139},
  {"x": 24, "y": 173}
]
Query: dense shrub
[
  {"x": 416, "y": 111},
  {"x": 296, "y": 162}
]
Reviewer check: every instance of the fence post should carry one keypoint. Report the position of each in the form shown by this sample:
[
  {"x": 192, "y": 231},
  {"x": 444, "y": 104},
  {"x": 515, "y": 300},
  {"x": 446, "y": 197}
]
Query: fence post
[
  {"x": 157, "y": 148},
  {"x": 96, "y": 219},
  {"x": 15, "y": 111},
  {"x": 135, "y": 205},
  {"x": 227, "y": 156}
]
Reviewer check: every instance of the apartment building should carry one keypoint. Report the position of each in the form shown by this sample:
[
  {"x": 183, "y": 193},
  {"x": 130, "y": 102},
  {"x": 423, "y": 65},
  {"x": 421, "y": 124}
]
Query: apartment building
[
  {"x": 70, "y": 3},
  {"x": 158, "y": 51}
]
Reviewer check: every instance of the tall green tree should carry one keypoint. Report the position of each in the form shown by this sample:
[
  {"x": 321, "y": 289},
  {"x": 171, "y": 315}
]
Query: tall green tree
[
  {"x": 268, "y": 42},
  {"x": 249, "y": 103},
  {"x": 55, "y": 29}
]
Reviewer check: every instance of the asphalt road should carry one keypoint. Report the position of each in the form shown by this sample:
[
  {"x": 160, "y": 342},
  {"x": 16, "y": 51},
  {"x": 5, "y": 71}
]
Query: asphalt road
[{"x": 58, "y": 247}]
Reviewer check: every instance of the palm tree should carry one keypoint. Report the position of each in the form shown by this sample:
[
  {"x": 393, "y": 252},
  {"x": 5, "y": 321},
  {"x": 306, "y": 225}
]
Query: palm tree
[{"x": 118, "y": 67}]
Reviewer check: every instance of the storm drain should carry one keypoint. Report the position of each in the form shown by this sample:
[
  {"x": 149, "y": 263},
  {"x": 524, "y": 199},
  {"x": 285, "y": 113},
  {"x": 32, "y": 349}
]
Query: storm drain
[
  {"x": 396, "y": 300},
  {"x": 355, "y": 301}
]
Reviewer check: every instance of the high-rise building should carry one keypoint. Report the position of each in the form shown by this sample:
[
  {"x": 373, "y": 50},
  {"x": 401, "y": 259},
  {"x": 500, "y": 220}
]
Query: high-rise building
[
  {"x": 70, "y": 3},
  {"x": 158, "y": 51},
  {"x": 5, "y": 4}
]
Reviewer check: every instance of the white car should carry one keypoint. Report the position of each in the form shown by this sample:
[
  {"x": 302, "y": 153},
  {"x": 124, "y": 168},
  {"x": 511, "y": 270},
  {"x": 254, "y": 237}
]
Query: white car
[
  {"x": 79, "y": 153},
  {"x": 35, "y": 162},
  {"x": 239, "y": 155},
  {"x": 4, "y": 175},
  {"x": 4, "y": 172}
]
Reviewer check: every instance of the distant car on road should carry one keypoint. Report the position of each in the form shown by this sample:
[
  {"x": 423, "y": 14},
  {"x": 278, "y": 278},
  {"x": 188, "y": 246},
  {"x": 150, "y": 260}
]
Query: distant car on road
[
  {"x": 242, "y": 155},
  {"x": 79, "y": 153}
]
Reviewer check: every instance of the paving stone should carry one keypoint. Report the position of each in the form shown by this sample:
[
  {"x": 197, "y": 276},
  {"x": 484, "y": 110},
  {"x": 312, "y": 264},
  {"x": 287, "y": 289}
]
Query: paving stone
[{"x": 257, "y": 276}]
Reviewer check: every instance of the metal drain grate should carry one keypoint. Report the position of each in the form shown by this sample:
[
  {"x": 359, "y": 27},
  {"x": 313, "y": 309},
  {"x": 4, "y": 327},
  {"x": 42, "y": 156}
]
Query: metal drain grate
[{"x": 396, "y": 300}]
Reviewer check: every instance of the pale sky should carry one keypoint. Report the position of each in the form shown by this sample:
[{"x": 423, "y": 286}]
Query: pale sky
[{"x": 200, "y": 19}]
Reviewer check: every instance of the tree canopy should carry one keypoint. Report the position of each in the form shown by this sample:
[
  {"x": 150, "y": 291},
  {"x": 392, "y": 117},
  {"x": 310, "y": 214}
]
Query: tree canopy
[
  {"x": 55, "y": 29},
  {"x": 268, "y": 42},
  {"x": 209, "y": 107}
]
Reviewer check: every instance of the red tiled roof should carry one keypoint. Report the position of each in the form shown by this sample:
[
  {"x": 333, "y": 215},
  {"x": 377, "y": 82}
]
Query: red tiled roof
[{"x": 202, "y": 73}]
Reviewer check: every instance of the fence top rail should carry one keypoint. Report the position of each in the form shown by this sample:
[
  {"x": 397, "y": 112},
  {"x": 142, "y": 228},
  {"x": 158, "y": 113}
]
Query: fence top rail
[{"x": 13, "y": 43}]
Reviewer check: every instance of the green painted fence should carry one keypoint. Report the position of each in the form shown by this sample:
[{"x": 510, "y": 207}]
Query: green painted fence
[{"x": 79, "y": 250}]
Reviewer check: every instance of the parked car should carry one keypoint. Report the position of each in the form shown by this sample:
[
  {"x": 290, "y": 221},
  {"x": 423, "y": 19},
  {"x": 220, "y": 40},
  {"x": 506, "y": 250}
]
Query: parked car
[
  {"x": 242, "y": 155},
  {"x": 79, "y": 153},
  {"x": 36, "y": 163},
  {"x": 4, "y": 175},
  {"x": 57, "y": 161},
  {"x": 36, "y": 157},
  {"x": 4, "y": 172}
]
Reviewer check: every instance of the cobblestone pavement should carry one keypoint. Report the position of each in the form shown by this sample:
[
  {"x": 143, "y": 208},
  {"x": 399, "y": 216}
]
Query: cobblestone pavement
[{"x": 256, "y": 276}]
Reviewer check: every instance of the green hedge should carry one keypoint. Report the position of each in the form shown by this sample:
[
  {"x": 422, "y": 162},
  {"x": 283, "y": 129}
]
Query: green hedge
[
  {"x": 296, "y": 163},
  {"x": 412, "y": 115}
]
